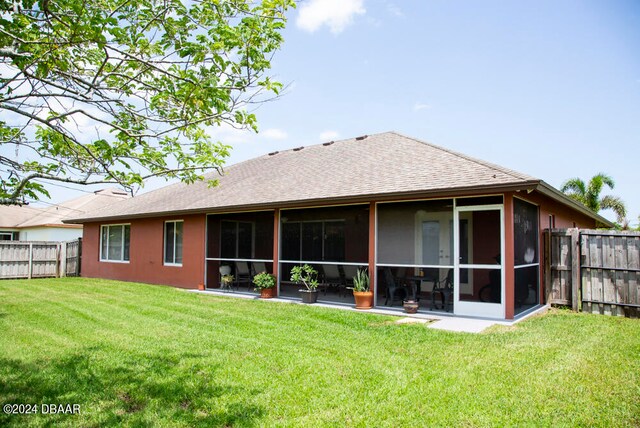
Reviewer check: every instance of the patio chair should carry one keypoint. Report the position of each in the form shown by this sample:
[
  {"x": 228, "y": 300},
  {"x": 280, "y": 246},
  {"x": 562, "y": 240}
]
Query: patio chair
[
  {"x": 394, "y": 291},
  {"x": 349, "y": 273},
  {"x": 242, "y": 274},
  {"x": 444, "y": 288},
  {"x": 258, "y": 267},
  {"x": 331, "y": 278}
]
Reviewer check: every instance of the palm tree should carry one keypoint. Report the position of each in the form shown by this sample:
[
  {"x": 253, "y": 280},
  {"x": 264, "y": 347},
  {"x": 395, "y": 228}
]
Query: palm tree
[{"x": 589, "y": 195}]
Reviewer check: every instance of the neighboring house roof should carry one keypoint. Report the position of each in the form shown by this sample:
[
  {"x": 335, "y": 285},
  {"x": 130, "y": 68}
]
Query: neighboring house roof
[
  {"x": 20, "y": 217},
  {"x": 367, "y": 167},
  {"x": 12, "y": 215}
]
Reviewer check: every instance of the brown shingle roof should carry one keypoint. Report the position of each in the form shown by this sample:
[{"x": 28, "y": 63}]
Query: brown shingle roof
[{"x": 381, "y": 164}]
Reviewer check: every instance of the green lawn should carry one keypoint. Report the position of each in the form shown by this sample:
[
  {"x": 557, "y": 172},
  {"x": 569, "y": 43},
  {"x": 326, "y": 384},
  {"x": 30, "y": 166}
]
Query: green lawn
[{"x": 141, "y": 355}]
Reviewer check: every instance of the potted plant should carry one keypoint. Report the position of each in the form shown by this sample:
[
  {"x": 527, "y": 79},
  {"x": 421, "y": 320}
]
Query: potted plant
[
  {"x": 309, "y": 277},
  {"x": 266, "y": 284},
  {"x": 361, "y": 291},
  {"x": 410, "y": 306},
  {"x": 227, "y": 280}
]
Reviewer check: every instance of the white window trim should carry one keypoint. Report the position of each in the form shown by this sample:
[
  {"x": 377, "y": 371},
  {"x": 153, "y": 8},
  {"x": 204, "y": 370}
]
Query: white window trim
[
  {"x": 122, "y": 243},
  {"x": 164, "y": 243},
  {"x": 9, "y": 233}
]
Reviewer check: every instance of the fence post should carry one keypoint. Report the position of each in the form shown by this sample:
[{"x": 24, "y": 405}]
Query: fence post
[
  {"x": 63, "y": 259},
  {"x": 575, "y": 269},
  {"x": 30, "y": 260},
  {"x": 547, "y": 265},
  {"x": 78, "y": 256}
]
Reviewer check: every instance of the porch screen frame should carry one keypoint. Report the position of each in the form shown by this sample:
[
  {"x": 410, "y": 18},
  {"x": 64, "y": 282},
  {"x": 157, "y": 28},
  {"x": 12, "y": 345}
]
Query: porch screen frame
[
  {"x": 410, "y": 265},
  {"x": 484, "y": 308},
  {"x": 301, "y": 246},
  {"x": 528, "y": 265},
  {"x": 233, "y": 259},
  {"x": 312, "y": 262}
]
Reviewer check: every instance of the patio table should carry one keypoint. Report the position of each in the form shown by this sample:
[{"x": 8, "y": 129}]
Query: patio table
[{"x": 416, "y": 284}]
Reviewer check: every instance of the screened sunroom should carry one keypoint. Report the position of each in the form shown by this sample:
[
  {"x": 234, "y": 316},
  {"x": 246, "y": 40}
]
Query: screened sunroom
[{"x": 447, "y": 254}]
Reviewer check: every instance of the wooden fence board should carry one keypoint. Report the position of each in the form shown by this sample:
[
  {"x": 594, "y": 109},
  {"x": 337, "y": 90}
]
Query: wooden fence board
[
  {"x": 73, "y": 258},
  {"x": 36, "y": 259},
  {"x": 559, "y": 267},
  {"x": 607, "y": 272}
]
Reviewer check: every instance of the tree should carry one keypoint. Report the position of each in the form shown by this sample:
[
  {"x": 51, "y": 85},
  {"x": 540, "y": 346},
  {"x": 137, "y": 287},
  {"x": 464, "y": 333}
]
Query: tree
[
  {"x": 589, "y": 195},
  {"x": 118, "y": 91}
]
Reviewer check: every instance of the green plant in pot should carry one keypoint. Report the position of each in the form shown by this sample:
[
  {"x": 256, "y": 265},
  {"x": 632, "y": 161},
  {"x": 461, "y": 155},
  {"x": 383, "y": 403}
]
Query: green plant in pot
[
  {"x": 227, "y": 280},
  {"x": 308, "y": 276},
  {"x": 361, "y": 291},
  {"x": 266, "y": 284}
]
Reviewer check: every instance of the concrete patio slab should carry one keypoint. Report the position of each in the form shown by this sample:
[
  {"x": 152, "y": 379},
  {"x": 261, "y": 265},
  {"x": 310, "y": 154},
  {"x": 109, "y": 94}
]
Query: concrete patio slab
[
  {"x": 464, "y": 325},
  {"x": 413, "y": 321}
]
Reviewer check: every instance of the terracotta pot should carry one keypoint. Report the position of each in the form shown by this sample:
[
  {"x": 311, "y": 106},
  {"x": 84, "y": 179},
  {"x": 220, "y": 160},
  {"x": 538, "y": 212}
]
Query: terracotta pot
[
  {"x": 410, "y": 306},
  {"x": 267, "y": 293},
  {"x": 364, "y": 299},
  {"x": 201, "y": 287}
]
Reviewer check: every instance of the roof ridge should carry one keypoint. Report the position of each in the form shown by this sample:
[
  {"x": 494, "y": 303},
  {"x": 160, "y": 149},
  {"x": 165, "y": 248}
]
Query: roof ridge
[
  {"x": 322, "y": 143},
  {"x": 305, "y": 147},
  {"x": 491, "y": 165}
]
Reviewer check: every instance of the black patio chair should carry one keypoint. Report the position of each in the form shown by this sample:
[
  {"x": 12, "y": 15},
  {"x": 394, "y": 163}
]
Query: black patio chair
[
  {"x": 394, "y": 290},
  {"x": 444, "y": 288}
]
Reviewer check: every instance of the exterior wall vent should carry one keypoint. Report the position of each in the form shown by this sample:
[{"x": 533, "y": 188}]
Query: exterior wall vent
[
  {"x": 361, "y": 137},
  {"x": 297, "y": 149}
]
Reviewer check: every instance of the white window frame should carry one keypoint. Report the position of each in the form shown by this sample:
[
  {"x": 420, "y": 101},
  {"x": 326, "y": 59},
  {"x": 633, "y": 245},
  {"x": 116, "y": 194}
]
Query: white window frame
[
  {"x": 102, "y": 256},
  {"x": 9, "y": 233},
  {"x": 164, "y": 243}
]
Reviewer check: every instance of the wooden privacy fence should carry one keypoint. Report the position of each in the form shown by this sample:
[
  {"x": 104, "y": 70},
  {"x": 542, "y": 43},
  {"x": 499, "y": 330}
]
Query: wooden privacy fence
[
  {"x": 594, "y": 270},
  {"x": 39, "y": 259}
]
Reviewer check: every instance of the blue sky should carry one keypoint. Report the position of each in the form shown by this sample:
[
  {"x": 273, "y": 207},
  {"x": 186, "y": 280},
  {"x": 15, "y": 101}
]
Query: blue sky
[{"x": 548, "y": 88}]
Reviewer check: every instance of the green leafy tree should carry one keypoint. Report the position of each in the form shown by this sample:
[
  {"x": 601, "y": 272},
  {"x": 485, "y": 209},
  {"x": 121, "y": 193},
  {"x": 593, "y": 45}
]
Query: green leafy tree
[
  {"x": 589, "y": 195},
  {"x": 119, "y": 91}
]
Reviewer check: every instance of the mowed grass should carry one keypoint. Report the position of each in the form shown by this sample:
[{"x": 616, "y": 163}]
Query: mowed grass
[{"x": 142, "y": 355}]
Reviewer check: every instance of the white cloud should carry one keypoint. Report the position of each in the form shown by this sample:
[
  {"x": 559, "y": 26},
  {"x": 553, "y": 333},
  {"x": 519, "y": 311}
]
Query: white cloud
[
  {"x": 274, "y": 134},
  {"x": 420, "y": 106},
  {"x": 395, "y": 10},
  {"x": 336, "y": 14},
  {"x": 227, "y": 134},
  {"x": 328, "y": 135}
]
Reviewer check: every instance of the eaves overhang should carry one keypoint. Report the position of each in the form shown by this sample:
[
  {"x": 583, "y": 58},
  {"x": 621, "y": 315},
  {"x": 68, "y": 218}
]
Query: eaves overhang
[{"x": 558, "y": 196}]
